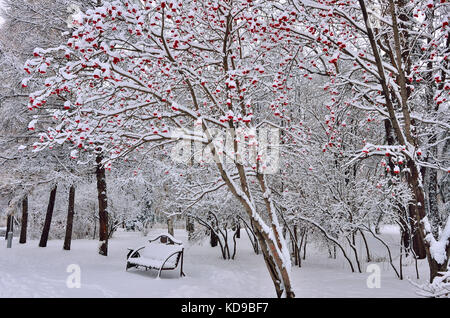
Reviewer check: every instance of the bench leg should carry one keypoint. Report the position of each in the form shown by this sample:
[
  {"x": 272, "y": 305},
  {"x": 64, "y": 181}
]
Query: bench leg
[
  {"x": 181, "y": 265},
  {"x": 159, "y": 273},
  {"x": 181, "y": 270}
]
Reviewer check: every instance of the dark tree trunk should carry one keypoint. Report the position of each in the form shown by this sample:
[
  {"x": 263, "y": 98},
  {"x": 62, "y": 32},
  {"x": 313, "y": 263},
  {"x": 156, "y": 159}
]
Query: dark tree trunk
[
  {"x": 295, "y": 248},
  {"x": 377, "y": 225},
  {"x": 214, "y": 239},
  {"x": 405, "y": 229},
  {"x": 102, "y": 207},
  {"x": 418, "y": 244},
  {"x": 48, "y": 218},
  {"x": 368, "y": 259},
  {"x": 70, "y": 213},
  {"x": 190, "y": 227},
  {"x": 238, "y": 230},
  {"x": 24, "y": 225},
  {"x": 304, "y": 246},
  {"x": 416, "y": 211},
  {"x": 9, "y": 225},
  {"x": 170, "y": 226}
]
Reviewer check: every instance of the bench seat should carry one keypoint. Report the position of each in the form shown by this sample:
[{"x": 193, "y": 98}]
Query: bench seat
[{"x": 155, "y": 254}]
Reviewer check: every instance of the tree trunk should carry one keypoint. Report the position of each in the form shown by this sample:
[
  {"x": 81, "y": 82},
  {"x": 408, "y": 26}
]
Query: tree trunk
[
  {"x": 272, "y": 243},
  {"x": 170, "y": 226},
  {"x": 432, "y": 185},
  {"x": 213, "y": 239},
  {"x": 95, "y": 229},
  {"x": 368, "y": 259},
  {"x": 48, "y": 218},
  {"x": 418, "y": 211},
  {"x": 70, "y": 213},
  {"x": 304, "y": 246},
  {"x": 295, "y": 248},
  {"x": 23, "y": 230},
  {"x": 190, "y": 227},
  {"x": 276, "y": 244},
  {"x": 276, "y": 269},
  {"x": 355, "y": 252},
  {"x": 9, "y": 225},
  {"x": 404, "y": 136},
  {"x": 401, "y": 211},
  {"x": 418, "y": 244},
  {"x": 434, "y": 214},
  {"x": 405, "y": 229},
  {"x": 102, "y": 207}
]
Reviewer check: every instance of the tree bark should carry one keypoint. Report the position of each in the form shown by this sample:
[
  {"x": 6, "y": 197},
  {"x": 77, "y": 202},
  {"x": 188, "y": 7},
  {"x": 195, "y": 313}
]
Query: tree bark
[
  {"x": 273, "y": 265},
  {"x": 304, "y": 246},
  {"x": 70, "y": 213},
  {"x": 190, "y": 227},
  {"x": 24, "y": 225},
  {"x": 368, "y": 259},
  {"x": 213, "y": 239},
  {"x": 295, "y": 248},
  {"x": 170, "y": 226},
  {"x": 9, "y": 225},
  {"x": 102, "y": 207},
  {"x": 48, "y": 218},
  {"x": 433, "y": 213},
  {"x": 419, "y": 212}
]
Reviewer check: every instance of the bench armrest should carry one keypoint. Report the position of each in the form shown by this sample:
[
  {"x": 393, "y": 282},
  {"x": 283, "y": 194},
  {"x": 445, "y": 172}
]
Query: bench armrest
[
  {"x": 171, "y": 255},
  {"x": 133, "y": 251}
]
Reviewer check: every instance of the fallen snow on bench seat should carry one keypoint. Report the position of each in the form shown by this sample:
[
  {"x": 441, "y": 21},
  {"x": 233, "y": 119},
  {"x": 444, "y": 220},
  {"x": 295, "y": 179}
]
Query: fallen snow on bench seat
[{"x": 153, "y": 263}]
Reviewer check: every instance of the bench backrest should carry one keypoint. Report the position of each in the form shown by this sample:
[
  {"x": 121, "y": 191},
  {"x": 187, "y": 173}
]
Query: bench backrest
[
  {"x": 158, "y": 251},
  {"x": 166, "y": 239}
]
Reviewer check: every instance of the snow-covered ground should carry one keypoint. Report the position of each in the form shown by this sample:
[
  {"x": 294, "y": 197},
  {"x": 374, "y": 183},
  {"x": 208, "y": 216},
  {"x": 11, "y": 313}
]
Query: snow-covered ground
[{"x": 30, "y": 271}]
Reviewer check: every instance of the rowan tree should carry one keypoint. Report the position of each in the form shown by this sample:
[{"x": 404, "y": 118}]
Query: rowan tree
[
  {"x": 134, "y": 71},
  {"x": 390, "y": 60}
]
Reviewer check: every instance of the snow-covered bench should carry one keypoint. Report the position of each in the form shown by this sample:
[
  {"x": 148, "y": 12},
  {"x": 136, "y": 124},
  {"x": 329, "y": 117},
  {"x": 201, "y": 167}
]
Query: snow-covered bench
[{"x": 162, "y": 253}]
